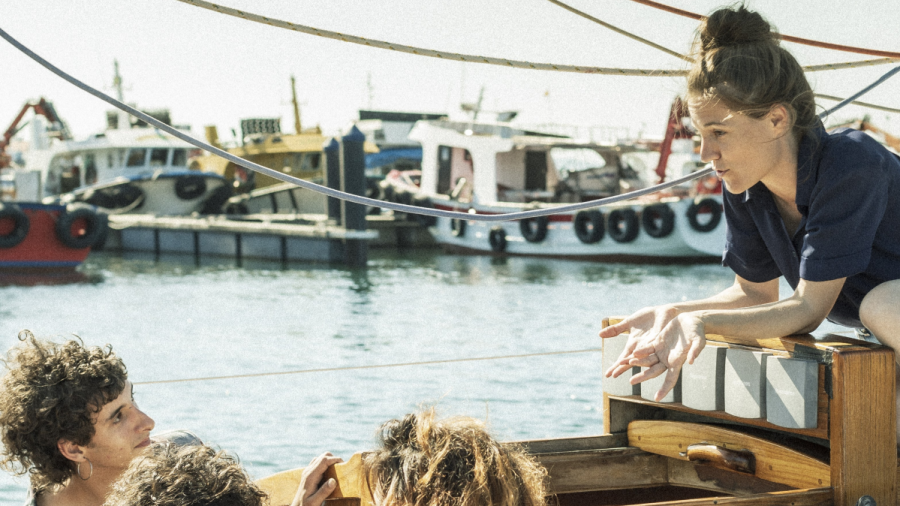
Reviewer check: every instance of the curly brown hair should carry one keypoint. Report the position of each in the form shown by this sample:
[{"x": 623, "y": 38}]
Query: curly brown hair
[
  {"x": 170, "y": 475},
  {"x": 53, "y": 391},
  {"x": 422, "y": 461}
]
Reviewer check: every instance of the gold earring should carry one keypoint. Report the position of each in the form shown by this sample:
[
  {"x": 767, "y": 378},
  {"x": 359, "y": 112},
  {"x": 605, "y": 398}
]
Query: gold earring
[{"x": 78, "y": 470}]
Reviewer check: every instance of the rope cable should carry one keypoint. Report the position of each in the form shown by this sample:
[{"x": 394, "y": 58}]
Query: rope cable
[
  {"x": 249, "y": 16},
  {"x": 860, "y": 93},
  {"x": 376, "y": 366},
  {"x": 630, "y": 35},
  {"x": 788, "y": 38},
  {"x": 358, "y": 199},
  {"x": 256, "y": 18},
  {"x": 857, "y": 102}
]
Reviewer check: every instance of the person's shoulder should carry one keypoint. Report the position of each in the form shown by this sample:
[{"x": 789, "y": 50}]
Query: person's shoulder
[{"x": 849, "y": 148}]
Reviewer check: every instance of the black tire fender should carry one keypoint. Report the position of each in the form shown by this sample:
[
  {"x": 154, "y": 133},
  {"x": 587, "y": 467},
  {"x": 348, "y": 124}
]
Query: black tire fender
[
  {"x": 21, "y": 225},
  {"x": 658, "y": 220},
  {"x": 497, "y": 239},
  {"x": 623, "y": 225},
  {"x": 534, "y": 229},
  {"x": 713, "y": 207},
  {"x": 190, "y": 187},
  {"x": 586, "y": 234},
  {"x": 93, "y": 229},
  {"x": 458, "y": 227}
]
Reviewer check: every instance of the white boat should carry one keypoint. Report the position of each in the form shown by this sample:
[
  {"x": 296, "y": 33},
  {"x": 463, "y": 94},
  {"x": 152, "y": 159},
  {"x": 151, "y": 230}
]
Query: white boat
[
  {"x": 130, "y": 167},
  {"x": 496, "y": 168}
]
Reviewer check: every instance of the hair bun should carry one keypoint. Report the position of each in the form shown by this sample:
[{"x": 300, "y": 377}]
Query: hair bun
[{"x": 732, "y": 27}]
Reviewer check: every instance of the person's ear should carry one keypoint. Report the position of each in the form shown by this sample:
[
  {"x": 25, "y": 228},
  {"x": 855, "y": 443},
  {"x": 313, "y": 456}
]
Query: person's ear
[
  {"x": 70, "y": 450},
  {"x": 779, "y": 119}
]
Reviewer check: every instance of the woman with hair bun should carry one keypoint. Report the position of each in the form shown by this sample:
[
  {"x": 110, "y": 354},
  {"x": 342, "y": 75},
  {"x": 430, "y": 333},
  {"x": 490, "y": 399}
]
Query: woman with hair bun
[{"x": 821, "y": 209}]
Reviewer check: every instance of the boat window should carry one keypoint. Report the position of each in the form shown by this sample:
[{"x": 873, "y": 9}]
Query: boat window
[
  {"x": 90, "y": 169},
  {"x": 179, "y": 157},
  {"x": 569, "y": 160},
  {"x": 136, "y": 157},
  {"x": 158, "y": 157}
]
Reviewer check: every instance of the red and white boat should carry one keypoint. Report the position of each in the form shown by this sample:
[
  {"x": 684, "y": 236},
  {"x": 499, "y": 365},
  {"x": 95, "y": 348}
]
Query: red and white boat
[
  {"x": 496, "y": 168},
  {"x": 46, "y": 237}
]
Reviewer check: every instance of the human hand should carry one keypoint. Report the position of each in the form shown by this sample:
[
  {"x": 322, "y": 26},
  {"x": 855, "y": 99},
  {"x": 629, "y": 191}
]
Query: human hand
[
  {"x": 309, "y": 493},
  {"x": 642, "y": 326},
  {"x": 680, "y": 341}
]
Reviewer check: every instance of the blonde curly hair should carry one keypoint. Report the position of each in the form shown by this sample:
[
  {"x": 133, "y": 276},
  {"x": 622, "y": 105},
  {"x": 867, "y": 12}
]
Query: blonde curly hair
[
  {"x": 53, "y": 391},
  {"x": 423, "y": 461},
  {"x": 170, "y": 475}
]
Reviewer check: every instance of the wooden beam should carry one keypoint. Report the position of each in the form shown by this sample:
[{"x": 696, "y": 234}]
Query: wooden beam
[{"x": 863, "y": 427}]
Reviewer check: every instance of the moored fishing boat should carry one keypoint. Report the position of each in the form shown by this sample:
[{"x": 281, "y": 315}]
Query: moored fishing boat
[
  {"x": 496, "y": 168},
  {"x": 127, "y": 168},
  {"x": 38, "y": 237}
]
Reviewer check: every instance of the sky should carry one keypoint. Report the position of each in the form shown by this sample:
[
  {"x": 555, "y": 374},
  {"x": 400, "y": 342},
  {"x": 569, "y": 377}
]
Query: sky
[{"x": 212, "y": 69}]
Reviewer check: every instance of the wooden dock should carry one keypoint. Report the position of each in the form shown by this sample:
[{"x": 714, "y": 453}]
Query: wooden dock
[{"x": 279, "y": 237}]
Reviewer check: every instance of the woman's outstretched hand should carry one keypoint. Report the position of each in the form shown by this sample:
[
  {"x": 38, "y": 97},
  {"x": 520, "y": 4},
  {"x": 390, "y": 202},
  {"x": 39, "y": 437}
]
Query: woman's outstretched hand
[
  {"x": 310, "y": 493},
  {"x": 642, "y": 327},
  {"x": 661, "y": 342}
]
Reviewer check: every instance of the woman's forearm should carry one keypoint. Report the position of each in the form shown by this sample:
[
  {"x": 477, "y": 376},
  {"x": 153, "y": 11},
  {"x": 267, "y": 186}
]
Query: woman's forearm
[{"x": 800, "y": 313}]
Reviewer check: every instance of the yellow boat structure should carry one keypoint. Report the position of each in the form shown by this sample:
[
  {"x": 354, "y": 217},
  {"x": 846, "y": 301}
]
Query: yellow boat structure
[{"x": 299, "y": 154}]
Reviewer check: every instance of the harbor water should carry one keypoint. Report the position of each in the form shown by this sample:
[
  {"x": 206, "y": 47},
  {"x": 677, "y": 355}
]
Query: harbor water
[{"x": 172, "y": 319}]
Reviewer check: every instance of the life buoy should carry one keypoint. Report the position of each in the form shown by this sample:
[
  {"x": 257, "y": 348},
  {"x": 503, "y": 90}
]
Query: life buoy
[
  {"x": 20, "y": 225},
  {"x": 707, "y": 205},
  {"x": 658, "y": 220},
  {"x": 497, "y": 238},
  {"x": 588, "y": 226},
  {"x": 422, "y": 219},
  {"x": 458, "y": 227},
  {"x": 534, "y": 229},
  {"x": 190, "y": 187},
  {"x": 623, "y": 225},
  {"x": 84, "y": 236}
]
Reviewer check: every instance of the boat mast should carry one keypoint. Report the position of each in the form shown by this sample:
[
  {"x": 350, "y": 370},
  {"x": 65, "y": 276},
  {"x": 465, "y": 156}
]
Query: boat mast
[
  {"x": 297, "y": 125},
  {"x": 122, "y": 123}
]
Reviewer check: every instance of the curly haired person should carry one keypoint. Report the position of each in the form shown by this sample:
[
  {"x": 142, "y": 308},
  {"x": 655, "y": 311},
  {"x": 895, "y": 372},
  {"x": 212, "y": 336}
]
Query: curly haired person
[
  {"x": 68, "y": 419},
  {"x": 169, "y": 475},
  {"x": 425, "y": 461}
]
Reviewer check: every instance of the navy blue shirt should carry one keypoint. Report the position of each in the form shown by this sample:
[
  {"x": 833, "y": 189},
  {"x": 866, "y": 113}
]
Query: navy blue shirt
[{"x": 848, "y": 193}]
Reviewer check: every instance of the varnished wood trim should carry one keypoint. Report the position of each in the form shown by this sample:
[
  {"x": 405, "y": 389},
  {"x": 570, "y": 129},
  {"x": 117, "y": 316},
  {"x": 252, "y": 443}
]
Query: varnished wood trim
[{"x": 774, "y": 462}]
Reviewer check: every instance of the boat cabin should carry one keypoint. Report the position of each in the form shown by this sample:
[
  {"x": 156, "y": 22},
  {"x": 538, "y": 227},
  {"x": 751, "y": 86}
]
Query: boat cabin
[
  {"x": 487, "y": 163},
  {"x": 112, "y": 154}
]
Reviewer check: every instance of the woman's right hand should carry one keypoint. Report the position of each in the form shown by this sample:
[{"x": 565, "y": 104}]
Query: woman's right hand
[
  {"x": 309, "y": 493},
  {"x": 642, "y": 327}
]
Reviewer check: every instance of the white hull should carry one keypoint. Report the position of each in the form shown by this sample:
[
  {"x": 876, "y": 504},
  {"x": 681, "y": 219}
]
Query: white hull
[
  {"x": 159, "y": 194},
  {"x": 684, "y": 242}
]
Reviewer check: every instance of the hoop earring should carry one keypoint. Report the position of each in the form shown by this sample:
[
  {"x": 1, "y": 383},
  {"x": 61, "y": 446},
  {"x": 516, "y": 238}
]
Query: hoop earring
[{"x": 78, "y": 470}]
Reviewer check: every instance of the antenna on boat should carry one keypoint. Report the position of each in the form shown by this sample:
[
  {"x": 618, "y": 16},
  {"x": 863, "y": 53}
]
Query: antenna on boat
[
  {"x": 297, "y": 124},
  {"x": 474, "y": 108},
  {"x": 370, "y": 88},
  {"x": 123, "y": 121}
]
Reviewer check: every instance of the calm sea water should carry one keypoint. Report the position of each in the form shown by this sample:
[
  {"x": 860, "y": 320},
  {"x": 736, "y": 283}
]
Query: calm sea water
[{"x": 169, "y": 318}]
